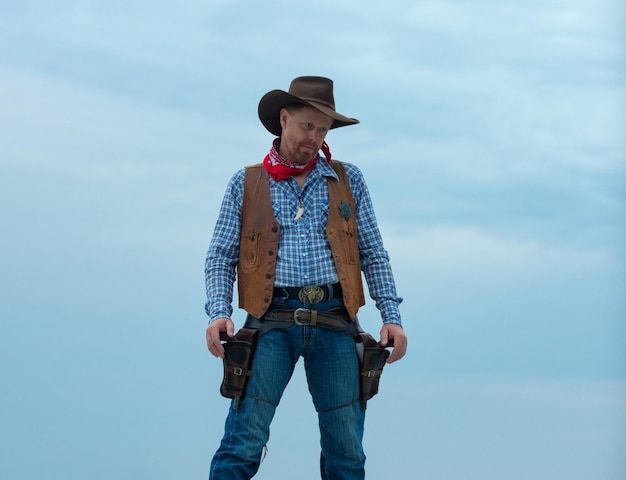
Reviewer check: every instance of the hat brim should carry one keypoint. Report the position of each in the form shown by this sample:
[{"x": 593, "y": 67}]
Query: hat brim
[{"x": 273, "y": 102}]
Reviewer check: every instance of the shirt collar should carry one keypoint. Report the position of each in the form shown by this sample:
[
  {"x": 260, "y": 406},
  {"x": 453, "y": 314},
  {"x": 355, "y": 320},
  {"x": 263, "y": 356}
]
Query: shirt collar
[{"x": 324, "y": 168}]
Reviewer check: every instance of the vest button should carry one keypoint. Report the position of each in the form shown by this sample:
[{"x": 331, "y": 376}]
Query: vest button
[
  {"x": 266, "y": 299},
  {"x": 274, "y": 229},
  {"x": 268, "y": 275},
  {"x": 271, "y": 252}
]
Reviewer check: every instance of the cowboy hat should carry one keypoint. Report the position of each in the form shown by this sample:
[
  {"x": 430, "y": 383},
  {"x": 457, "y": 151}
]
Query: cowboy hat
[{"x": 316, "y": 92}]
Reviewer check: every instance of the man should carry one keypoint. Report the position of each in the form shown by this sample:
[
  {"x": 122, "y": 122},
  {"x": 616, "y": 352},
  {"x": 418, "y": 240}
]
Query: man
[{"x": 297, "y": 231}]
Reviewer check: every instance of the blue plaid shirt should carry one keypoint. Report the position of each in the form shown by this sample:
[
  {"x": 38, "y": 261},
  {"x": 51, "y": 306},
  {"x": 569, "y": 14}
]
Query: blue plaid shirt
[{"x": 304, "y": 256}]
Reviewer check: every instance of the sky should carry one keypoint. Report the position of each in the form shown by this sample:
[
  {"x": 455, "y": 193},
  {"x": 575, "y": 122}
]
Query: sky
[{"x": 492, "y": 139}]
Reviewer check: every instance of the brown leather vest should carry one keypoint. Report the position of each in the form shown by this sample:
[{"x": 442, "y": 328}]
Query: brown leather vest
[{"x": 260, "y": 234}]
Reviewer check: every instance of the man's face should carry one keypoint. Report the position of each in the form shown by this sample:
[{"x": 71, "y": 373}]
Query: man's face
[{"x": 304, "y": 131}]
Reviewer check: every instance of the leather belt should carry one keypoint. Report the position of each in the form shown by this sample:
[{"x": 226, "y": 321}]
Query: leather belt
[
  {"x": 310, "y": 294},
  {"x": 337, "y": 319}
]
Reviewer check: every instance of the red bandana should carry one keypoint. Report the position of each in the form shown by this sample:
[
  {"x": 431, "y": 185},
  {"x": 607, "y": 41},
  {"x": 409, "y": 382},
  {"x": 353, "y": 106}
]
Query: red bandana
[{"x": 280, "y": 168}]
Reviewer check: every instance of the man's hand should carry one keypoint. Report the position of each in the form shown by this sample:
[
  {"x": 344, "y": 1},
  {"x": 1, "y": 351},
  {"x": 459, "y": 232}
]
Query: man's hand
[
  {"x": 394, "y": 333},
  {"x": 213, "y": 335}
]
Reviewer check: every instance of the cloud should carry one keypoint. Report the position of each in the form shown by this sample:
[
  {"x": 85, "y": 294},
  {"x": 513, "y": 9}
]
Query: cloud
[
  {"x": 491, "y": 139},
  {"x": 470, "y": 249},
  {"x": 491, "y": 426}
]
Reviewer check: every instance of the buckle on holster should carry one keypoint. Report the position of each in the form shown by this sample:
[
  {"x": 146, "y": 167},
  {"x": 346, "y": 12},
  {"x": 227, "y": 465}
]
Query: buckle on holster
[{"x": 296, "y": 318}]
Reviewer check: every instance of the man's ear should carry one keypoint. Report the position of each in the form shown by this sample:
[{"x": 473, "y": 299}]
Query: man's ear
[{"x": 283, "y": 117}]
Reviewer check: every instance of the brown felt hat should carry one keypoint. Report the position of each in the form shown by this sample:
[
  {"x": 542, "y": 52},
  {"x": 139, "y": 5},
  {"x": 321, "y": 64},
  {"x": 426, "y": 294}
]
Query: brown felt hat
[{"x": 316, "y": 92}]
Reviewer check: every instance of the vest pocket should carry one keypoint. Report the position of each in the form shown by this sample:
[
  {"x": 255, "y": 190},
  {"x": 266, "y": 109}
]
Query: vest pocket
[{"x": 249, "y": 246}]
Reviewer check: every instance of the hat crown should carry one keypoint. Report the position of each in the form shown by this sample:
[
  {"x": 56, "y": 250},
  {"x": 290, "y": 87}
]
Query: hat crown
[
  {"x": 317, "y": 92},
  {"x": 314, "y": 89}
]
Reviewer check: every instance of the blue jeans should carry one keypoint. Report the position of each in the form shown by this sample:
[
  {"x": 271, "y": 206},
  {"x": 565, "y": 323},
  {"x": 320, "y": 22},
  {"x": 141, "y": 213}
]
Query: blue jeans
[{"x": 332, "y": 372}]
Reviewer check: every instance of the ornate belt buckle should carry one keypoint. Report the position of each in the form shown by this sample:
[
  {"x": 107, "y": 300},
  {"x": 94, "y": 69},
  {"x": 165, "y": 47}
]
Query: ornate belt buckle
[{"x": 311, "y": 294}]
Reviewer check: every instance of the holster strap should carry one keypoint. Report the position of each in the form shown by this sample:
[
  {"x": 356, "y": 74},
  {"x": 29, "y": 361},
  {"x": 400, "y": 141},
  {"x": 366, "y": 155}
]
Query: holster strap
[{"x": 243, "y": 335}]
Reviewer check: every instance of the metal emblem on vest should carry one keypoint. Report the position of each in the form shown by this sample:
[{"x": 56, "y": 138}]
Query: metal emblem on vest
[
  {"x": 311, "y": 294},
  {"x": 345, "y": 210}
]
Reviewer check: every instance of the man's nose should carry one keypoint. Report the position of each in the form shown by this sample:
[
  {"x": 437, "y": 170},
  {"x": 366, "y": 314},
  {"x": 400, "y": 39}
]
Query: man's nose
[{"x": 314, "y": 134}]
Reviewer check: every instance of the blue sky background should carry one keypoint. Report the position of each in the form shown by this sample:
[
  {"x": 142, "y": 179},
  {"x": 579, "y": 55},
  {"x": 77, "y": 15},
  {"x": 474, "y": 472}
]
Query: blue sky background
[{"x": 492, "y": 138}]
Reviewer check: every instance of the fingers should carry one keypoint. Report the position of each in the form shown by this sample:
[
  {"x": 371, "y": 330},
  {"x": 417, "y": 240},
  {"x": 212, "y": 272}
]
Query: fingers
[
  {"x": 384, "y": 337},
  {"x": 230, "y": 328},
  {"x": 399, "y": 350},
  {"x": 213, "y": 341},
  {"x": 400, "y": 342}
]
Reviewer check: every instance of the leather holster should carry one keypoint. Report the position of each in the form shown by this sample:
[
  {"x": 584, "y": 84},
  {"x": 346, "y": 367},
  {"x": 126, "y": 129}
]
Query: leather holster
[
  {"x": 238, "y": 357},
  {"x": 372, "y": 356}
]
